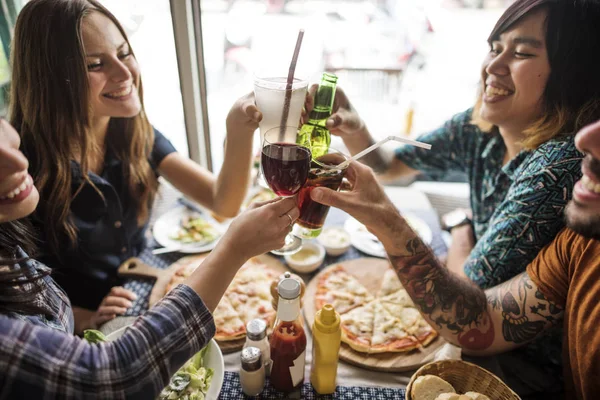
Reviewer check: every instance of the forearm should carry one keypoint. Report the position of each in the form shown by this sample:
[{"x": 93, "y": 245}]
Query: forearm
[
  {"x": 379, "y": 160},
  {"x": 82, "y": 317},
  {"x": 212, "y": 279},
  {"x": 234, "y": 178},
  {"x": 482, "y": 323},
  {"x": 454, "y": 307},
  {"x": 459, "y": 250},
  {"x": 51, "y": 364}
]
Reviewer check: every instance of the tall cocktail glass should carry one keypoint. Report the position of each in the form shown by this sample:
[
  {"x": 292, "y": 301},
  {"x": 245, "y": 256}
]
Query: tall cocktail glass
[
  {"x": 269, "y": 94},
  {"x": 324, "y": 171}
]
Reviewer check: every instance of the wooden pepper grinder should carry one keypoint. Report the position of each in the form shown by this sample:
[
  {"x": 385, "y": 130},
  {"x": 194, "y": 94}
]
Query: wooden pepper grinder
[{"x": 275, "y": 282}]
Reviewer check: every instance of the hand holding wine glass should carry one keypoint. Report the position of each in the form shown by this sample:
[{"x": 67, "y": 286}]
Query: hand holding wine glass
[{"x": 285, "y": 166}]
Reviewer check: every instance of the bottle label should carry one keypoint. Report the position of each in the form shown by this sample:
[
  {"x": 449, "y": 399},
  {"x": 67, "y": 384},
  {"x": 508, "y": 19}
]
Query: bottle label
[
  {"x": 288, "y": 311},
  {"x": 297, "y": 370}
]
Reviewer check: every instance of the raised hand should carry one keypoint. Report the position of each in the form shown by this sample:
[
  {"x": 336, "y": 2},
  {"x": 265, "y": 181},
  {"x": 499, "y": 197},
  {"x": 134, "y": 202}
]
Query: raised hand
[
  {"x": 243, "y": 116},
  {"x": 344, "y": 120},
  {"x": 261, "y": 228}
]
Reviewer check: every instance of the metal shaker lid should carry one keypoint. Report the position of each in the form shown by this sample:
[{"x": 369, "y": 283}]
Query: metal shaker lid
[
  {"x": 256, "y": 329},
  {"x": 251, "y": 359}
]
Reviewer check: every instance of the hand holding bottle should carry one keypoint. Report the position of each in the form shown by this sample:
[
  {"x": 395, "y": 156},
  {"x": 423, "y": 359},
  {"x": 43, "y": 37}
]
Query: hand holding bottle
[{"x": 344, "y": 120}]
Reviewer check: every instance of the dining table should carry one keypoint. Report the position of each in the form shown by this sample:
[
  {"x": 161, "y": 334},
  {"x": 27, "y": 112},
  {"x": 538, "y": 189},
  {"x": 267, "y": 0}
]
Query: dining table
[{"x": 353, "y": 382}]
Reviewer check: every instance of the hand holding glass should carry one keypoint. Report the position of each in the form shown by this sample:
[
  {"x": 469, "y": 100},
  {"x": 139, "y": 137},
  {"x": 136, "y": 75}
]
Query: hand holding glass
[
  {"x": 327, "y": 171},
  {"x": 285, "y": 165}
]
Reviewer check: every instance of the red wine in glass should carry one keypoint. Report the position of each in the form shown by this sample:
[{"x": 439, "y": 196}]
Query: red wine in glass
[{"x": 285, "y": 167}]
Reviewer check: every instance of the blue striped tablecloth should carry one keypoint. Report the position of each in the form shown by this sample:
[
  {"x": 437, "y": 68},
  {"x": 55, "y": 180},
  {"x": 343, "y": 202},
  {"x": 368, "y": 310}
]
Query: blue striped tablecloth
[{"x": 232, "y": 390}]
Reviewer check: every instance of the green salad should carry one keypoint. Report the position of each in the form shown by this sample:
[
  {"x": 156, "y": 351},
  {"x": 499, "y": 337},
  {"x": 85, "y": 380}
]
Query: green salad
[
  {"x": 195, "y": 230},
  {"x": 191, "y": 382},
  {"x": 94, "y": 336}
]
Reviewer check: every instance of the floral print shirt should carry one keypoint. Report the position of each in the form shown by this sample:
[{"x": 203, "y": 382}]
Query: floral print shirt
[{"x": 517, "y": 207}]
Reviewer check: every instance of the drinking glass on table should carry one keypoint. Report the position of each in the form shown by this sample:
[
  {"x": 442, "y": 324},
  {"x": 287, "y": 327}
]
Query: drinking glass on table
[
  {"x": 285, "y": 166},
  {"x": 324, "y": 171}
]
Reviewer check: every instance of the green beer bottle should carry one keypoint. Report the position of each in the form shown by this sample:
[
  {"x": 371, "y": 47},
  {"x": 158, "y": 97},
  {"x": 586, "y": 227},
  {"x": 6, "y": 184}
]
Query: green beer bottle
[{"x": 314, "y": 130}]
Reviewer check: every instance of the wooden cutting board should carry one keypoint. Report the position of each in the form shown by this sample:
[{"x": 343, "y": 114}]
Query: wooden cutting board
[
  {"x": 136, "y": 268},
  {"x": 369, "y": 272}
]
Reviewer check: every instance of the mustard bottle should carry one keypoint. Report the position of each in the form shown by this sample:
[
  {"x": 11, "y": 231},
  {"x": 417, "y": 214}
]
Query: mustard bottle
[{"x": 326, "y": 347}]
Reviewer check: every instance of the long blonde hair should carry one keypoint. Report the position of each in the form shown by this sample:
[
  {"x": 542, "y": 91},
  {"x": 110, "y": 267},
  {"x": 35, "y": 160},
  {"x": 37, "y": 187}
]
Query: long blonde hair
[
  {"x": 50, "y": 108},
  {"x": 572, "y": 94}
]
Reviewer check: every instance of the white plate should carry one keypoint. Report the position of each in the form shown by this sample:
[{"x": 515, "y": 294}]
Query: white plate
[
  {"x": 213, "y": 359},
  {"x": 169, "y": 223},
  {"x": 368, "y": 243}
]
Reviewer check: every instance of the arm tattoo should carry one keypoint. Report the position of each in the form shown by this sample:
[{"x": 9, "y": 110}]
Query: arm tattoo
[
  {"x": 447, "y": 300},
  {"x": 526, "y": 312}
]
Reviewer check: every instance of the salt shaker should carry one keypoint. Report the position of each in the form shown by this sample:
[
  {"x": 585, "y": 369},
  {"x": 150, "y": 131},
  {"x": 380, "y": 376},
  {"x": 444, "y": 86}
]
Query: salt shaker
[
  {"x": 252, "y": 373},
  {"x": 256, "y": 336}
]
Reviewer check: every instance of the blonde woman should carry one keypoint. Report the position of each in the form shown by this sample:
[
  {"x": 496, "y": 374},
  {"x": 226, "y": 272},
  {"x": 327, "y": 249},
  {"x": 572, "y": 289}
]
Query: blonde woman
[{"x": 77, "y": 101}]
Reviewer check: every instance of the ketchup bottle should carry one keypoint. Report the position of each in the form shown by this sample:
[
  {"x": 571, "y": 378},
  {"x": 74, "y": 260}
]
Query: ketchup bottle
[{"x": 288, "y": 340}]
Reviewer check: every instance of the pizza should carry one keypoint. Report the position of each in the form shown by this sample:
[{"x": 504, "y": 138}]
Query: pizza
[
  {"x": 247, "y": 297},
  {"x": 387, "y": 322},
  {"x": 340, "y": 289}
]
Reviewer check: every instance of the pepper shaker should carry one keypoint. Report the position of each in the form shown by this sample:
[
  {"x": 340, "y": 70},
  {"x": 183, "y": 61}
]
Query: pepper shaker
[
  {"x": 256, "y": 336},
  {"x": 252, "y": 373}
]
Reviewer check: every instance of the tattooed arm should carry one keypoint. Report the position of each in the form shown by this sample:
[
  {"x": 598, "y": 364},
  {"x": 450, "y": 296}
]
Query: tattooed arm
[
  {"x": 497, "y": 320},
  {"x": 489, "y": 322}
]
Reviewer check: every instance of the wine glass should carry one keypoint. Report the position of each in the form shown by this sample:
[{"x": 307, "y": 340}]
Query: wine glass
[{"x": 285, "y": 165}]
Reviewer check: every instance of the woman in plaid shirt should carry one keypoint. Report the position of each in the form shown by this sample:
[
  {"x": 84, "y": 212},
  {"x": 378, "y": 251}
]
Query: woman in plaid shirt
[{"x": 40, "y": 362}]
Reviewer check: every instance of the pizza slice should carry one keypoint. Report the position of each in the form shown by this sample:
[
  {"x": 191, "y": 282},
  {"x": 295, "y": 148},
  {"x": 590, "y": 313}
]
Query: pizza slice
[
  {"x": 357, "y": 327},
  {"x": 251, "y": 307},
  {"x": 254, "y": 280},
  {"x": 417, "y": 325},
  {"x": 399, "y": 297},
  {"x": 185, "y": 268},
  {"x": 424, "y": 332},
  {"x": 342, "y": 290},
  {"x": 390, "y": 283},
  {"x": 412, "y": 321},
  {"x": 227, "y": 321},
  {"x": 389, "y": 334}
]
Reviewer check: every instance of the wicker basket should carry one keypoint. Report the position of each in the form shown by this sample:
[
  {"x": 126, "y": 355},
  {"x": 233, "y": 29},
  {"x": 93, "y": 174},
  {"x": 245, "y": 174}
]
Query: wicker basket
[{"x": 465, "y": 377}]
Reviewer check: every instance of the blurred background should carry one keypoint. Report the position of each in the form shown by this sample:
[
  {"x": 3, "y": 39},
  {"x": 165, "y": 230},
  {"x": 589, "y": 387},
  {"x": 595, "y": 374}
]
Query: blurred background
[{"x": 407, "y": 65}]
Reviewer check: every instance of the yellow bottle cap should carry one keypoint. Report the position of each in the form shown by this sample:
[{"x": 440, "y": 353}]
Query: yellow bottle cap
[{"x": 327, "y": 320}]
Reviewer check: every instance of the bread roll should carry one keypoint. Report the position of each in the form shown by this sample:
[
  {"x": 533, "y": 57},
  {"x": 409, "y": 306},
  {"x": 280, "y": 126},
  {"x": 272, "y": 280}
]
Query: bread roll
[
  {"x": 476, "y": 396},
  {"x": 452, "y": 396},
  {"x": 448, "y": 396},
  {"x": 429, "y": 387}
]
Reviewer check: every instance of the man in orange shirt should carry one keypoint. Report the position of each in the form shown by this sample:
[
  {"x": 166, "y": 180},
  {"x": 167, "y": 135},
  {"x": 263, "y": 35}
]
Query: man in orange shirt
[{"x": 561, "y": 284}]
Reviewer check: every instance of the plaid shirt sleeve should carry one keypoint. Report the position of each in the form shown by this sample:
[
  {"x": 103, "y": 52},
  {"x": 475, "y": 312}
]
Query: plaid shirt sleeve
[{"x": 41, "y": 363}]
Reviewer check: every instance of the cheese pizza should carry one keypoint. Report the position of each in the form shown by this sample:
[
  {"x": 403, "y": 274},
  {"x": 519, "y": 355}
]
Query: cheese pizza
[
  {"x": 388, "y": 322},
  {"x": 247, "y": 297}
]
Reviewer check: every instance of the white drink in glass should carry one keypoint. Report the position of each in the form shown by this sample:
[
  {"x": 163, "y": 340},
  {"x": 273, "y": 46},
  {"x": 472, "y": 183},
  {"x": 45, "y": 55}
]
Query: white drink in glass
[{"x": 270, "y": 96}]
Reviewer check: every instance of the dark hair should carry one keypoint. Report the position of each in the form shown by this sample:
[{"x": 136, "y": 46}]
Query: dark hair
[
  {"x": 19, "y": 287},
  {"x": 49, "y": 107},
  {"x": 572, "y": 93}
]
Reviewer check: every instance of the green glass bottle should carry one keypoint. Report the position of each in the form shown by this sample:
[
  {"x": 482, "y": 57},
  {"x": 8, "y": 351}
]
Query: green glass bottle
[{"x": 315, "y": 130}]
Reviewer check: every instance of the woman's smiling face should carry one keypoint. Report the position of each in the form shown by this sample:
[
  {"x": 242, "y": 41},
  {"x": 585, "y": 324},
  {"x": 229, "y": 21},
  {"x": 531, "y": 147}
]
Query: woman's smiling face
[
  {"x": 113, "y": 71},
  {"x": 515, "y": 74}
]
